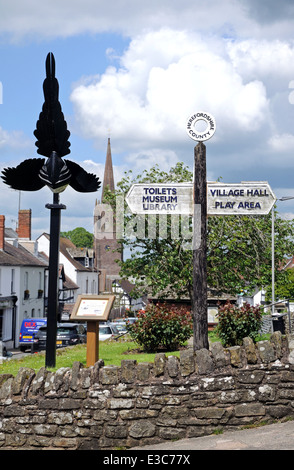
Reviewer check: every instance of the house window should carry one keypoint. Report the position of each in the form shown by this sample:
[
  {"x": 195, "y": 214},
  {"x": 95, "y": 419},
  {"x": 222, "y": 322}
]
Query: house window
[
  {"x": 40, "y": 289},
  {"x": 5, "y": 324},
  {"x": 1, "y": 324},
  {"x": 26, "y": 280},
  {"x": 26, "y": 286},
  {"x": 12, "y": 281}
]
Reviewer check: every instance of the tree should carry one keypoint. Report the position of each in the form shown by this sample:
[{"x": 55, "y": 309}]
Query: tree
[
  {"x": 80, "y": 237},
  {"x": 240, "y": 251},
  {"x": 284, "y": 286},
  {"x": 160, "y": 264},
  {"x": 238, "y": 247}
]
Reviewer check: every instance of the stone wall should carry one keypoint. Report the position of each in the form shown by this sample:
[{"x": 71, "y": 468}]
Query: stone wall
[{"x": 109, "y": 407}]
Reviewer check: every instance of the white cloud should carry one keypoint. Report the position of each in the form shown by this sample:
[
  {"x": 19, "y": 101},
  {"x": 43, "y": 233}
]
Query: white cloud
[
  {"x": 269, "y": 60},
  {"x": 232, "y": 58},
  {"x": 165, "y": 159},
  {"x": 282, "y": 143},
  {"x": 35, "y": 19},
  {"x": 166, "y": 76},
  {"x": 70, "y": 17},
  {"x": 14, "y": 140}
]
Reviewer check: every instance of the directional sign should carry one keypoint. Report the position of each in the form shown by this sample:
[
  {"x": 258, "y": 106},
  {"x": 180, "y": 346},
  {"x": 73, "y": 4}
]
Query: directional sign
[
  {"x": 250, "y": 198},
  {"x": 170, "y": 198},
  {"x": 246, "y": 198}
]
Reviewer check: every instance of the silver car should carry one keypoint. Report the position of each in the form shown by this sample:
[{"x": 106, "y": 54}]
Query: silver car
[{"x": 107, "y": 331}]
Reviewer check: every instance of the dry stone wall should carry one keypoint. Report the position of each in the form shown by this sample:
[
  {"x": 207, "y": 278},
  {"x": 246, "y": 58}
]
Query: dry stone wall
[{"x": 109, "y": 407}]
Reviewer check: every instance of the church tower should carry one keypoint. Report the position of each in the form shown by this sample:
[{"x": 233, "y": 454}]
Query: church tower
[
  {"x": 105, "y": 242},
  {"x": 108, "y": 180}
]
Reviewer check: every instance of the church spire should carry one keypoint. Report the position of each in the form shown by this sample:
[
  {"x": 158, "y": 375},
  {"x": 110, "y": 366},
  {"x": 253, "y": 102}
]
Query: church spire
[{"x": 108, "y": 180}]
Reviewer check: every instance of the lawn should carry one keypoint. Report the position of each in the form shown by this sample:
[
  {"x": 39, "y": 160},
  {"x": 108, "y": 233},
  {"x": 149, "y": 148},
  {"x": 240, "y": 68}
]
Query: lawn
[{"x": 111, "y": 352}]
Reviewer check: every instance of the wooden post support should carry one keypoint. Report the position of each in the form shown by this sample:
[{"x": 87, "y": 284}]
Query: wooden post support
[
  {"x": 92, "y": 342},
  {"x": 199, "y": 294}
]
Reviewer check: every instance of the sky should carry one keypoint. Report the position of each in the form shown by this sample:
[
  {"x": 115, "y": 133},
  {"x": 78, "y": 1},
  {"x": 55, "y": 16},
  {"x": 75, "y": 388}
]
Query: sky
[{"x": 136, "y": 71}]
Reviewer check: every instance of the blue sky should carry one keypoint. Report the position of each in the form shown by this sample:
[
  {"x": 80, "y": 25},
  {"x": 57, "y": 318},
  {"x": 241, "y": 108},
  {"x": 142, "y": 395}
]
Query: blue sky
[{"x": 136, "y": 71}]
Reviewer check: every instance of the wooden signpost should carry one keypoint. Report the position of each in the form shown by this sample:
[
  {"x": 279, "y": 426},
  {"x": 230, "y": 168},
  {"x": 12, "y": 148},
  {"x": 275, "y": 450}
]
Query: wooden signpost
[
  {"x": 201, "y": 199},
  {"x": 160, "y": 198},
  {"x": 92, "y": 309},
  {"x": 245, "y": 198},
  {"x": 199, "y": 292}
]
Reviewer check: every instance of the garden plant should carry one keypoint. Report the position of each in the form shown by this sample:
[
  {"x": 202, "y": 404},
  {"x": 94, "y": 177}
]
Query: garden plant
[
  {"x": 236, "y": 323},
  {"x": 162, "y": 326}
]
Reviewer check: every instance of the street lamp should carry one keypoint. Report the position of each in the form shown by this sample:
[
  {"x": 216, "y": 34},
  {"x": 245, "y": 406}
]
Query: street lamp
[{"x": 284, "y": 198}]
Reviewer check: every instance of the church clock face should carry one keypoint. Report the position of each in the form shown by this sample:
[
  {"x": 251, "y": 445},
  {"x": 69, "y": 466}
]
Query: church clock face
[{"x": 107, "y": 247}]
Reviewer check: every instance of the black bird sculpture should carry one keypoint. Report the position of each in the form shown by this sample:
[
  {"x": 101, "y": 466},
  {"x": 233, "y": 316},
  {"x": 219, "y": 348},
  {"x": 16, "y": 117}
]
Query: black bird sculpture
[{"x": 52, "y": 134}]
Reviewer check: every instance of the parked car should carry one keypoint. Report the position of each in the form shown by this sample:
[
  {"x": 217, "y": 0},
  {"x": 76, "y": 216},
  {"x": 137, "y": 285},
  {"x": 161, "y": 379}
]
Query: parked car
[
  {"x": 107, "y": 331},
  {"x": 120, "y": 325},
  {"x": 28, "y": 330},
  {"x": 68, "y": 334}
]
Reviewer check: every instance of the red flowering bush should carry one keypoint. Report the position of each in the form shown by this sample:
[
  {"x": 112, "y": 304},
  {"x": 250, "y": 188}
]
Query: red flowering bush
[
  {"x": 236, "y": 323},
  {"x": 162, "y": 326}
]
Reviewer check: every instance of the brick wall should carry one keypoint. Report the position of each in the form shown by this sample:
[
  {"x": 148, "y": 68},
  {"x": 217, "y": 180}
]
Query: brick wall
[
  {"x": 24, "y": 223},
  {"x": 109, "y": 407},
  {"x": 2, "y": 232}
]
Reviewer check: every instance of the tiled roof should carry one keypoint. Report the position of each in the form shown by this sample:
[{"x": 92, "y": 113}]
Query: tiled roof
[
  {"x": 66, "y": 247},
  {"x": 18, "y": 256}
]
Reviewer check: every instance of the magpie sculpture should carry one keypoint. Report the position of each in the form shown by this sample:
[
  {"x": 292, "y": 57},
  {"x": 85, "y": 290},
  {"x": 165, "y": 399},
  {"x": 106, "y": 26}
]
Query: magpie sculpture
[{"x": 52, "y": 134}]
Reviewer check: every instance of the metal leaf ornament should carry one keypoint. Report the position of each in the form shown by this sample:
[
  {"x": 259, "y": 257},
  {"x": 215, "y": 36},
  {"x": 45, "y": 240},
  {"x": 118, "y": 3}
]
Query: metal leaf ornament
[{"x": 52, "y": 142}]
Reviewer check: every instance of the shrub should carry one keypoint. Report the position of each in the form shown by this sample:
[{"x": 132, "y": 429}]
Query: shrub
[
  {"x": 236, "y": 323},
  {"x": 162, "y": 326}
]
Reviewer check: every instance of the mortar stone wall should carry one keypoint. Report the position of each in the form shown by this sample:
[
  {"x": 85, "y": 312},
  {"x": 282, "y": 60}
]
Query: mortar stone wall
[{"x": 136, "y": 404}]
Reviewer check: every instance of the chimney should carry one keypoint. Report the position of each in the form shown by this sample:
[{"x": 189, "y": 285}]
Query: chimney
[
  {"x": 24, "y": 224},
  {"x": 2, "y": 231}
]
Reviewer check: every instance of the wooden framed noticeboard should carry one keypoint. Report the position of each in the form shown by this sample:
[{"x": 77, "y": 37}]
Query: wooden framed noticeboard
[{"x": 90, "y": 307}]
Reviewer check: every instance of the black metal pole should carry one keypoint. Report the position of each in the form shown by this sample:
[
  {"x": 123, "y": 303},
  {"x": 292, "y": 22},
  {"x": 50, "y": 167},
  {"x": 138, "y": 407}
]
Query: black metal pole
[
  {"x": 53, "y": 280},
  {"x": 199, "y": 295}
]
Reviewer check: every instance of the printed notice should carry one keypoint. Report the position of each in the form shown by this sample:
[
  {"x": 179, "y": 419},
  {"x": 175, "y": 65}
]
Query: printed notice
[{"x": 92, "y": 307}]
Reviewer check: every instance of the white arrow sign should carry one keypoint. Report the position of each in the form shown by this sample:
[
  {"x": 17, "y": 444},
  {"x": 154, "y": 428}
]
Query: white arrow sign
[
  {"x": 170, "y": 198},
  {"x": 246, "y": 198},
  {"x": 250, "y": 198}
]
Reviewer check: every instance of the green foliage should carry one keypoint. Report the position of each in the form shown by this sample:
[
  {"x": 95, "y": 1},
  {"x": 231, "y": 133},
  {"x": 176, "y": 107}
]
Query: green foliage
[
  {"x": 284, "y": 285},
  {"x": 238, "y": 247},
  {"x": 236, "y": 323},
  {"x": 162, "y": 326},
  {"x": 80, "y": 237},
  {"x": 158, "y": 263},
  {"x": 240, "y": 252}
]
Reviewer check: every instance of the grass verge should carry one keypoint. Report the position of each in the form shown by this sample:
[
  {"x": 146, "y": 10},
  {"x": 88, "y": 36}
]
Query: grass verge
[{"x": 111, "y": 352}]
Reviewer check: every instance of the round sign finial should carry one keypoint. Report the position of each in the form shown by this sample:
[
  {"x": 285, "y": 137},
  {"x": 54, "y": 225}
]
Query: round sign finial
[{"x": 201, "y": 135}]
